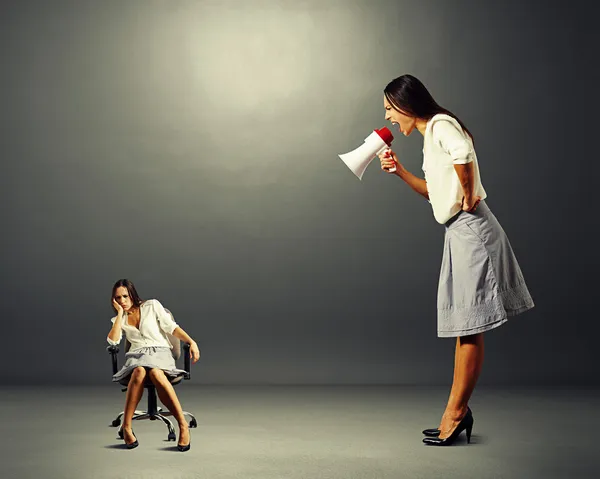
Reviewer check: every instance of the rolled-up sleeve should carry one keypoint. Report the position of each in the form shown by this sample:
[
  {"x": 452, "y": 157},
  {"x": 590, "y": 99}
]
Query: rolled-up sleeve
[
  {"x": 452, "y": 141},
  {"x": 165, "y": 320},
  {"x": 110, "y": 341}
]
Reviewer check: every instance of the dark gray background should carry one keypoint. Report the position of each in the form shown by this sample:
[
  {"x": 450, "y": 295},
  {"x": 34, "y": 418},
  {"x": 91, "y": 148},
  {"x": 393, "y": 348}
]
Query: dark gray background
[{"x": 191, "y": 146}]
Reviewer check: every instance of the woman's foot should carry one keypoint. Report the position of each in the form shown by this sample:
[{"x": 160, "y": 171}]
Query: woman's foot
[
  {"x": 448, "y": 437},
  {"x": 435, "y": 432},
  {"x": 129, "y": 438},
  {"x": 184, "y": 438},
  {"x": 450, "y": 421}
]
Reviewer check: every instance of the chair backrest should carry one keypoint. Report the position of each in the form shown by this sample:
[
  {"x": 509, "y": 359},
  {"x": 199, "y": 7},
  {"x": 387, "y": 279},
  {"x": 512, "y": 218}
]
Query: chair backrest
[{"x": 175, "y": 342}]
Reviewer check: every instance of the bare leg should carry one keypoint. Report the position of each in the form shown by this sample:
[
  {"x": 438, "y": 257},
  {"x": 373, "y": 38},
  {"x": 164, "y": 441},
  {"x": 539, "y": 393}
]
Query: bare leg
[
  {"x": 135, "y": 389},
  {"x": 468, "y": 366},
  {"x": 454, "y": 379},
  {"x": 167, "y": 396}
]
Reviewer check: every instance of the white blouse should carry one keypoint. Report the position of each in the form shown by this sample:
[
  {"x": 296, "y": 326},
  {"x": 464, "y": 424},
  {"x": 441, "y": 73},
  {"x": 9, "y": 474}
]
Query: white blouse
[
  {"x": 155, "y": 323},
  {"x": 445, "y": 145}
]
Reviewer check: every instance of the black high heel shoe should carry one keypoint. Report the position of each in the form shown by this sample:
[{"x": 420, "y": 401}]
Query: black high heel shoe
[
  {"x": 465, "y": 425},
  {"x": 435, "y": 432},
  {"x": 187, "y": 446},
  {"x": 184, "y": 448},
  {"x": 134, "y": 444}
]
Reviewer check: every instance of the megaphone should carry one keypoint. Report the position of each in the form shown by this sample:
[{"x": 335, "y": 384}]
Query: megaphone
[{"x": 358, "y": 160}]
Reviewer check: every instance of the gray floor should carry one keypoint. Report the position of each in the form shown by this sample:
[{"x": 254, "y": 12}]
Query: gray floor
[{"x": 302, "y": 432}]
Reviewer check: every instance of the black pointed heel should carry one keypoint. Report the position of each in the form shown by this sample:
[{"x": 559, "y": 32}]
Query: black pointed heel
[
  {"x": 465, "y": 425},
  {"x": 134, "y": 444},
  {"x": 185, "y": 448}
]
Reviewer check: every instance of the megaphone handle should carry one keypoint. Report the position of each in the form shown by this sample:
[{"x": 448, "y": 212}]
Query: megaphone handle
[{"x": 393, "y": 168}]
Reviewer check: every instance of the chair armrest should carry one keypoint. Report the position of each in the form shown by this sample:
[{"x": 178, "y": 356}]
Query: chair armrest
[
  {"x": 186, "y": 360},
  {"x": 113, "y": 351}
]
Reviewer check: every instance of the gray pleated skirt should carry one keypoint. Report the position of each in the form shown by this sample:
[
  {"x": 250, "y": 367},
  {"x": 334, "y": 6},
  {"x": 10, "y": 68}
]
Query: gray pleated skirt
[
  {"x": 481, "y": 284},
  {"x": 148, "y": 357}
]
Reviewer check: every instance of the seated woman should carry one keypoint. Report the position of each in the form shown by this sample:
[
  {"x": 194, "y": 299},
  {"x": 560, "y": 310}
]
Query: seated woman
[{"x": 146, "y": 324}]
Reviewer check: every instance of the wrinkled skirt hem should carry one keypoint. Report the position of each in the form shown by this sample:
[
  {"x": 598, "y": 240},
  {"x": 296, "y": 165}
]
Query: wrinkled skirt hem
[{"x": 476, "y": 330}]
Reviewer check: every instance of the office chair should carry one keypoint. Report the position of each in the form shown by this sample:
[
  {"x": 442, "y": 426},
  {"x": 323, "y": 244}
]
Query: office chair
[{"x": 153, "y": 412}]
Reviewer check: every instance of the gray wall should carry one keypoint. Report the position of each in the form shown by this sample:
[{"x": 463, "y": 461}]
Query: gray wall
[{"x": 191, "y": 146}]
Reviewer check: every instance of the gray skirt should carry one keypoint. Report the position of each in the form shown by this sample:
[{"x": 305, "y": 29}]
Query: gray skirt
[
  {"x": 481, "y": 284},
  {"x": 148, "y": 357}
]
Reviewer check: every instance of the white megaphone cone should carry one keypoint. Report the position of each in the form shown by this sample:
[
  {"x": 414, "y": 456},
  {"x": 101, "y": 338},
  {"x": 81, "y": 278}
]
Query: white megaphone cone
[{"x": 375, "y": 143}]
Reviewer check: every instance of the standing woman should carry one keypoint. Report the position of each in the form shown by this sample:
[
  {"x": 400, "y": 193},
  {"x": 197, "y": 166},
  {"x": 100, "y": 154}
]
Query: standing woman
[
  {"x": 481, "y": 283},
  {"x": 146, "y": 324}
]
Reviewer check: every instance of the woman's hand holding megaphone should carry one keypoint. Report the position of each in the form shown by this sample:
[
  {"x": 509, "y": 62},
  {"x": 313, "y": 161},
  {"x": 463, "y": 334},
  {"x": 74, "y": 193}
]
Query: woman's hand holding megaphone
[{"x": 389, "y": 161}]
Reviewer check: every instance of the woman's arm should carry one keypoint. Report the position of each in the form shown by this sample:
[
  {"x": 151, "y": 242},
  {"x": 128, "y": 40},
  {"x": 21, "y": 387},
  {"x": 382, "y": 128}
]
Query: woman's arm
[
  {"x": 183, "y": 336},
  {"x": 417, "y": 184},
  {"x": 168, "y": 325},
  {"x": 454, "y": 142},
  {"x": 389, "y": 160},
  {"x": 116, "y": 334},
  {"x": 466, "y": 176}
]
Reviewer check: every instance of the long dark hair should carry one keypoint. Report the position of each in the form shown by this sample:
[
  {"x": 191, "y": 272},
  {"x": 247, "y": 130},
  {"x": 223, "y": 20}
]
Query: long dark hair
[
  {"x": 133, "y": 294},
  {"x": 408, "y": 94}
]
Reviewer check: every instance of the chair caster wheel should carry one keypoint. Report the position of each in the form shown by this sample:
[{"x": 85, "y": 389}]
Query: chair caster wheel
[
  {"x": 116, "y": 423},
  {"x": 171, "y": 436},
  {"x": 193, "y": 423}
]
